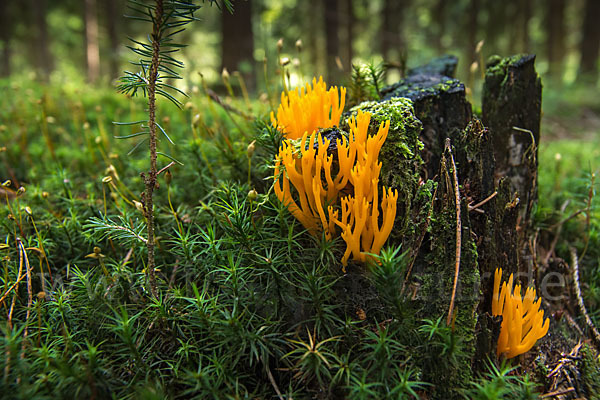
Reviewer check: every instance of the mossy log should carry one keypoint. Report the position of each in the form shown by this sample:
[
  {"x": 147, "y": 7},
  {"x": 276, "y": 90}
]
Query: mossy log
[{"x": 427, "y": 110}]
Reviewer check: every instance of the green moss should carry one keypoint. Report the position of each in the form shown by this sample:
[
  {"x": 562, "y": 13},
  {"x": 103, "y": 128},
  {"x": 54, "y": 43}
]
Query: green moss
[
  {"x": 399, "y": 156},
  {"x": 497, "y": 65},
  {"x": 436, "y": 272},
  {"x": 403, "y": 123},
  {"x": 590, "y": 371}
]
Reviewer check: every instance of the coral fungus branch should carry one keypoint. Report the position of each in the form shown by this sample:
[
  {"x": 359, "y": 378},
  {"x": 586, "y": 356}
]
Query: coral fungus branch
[
  {"x": 523, "y": 322},
  {"x": 309, "y": 170}
]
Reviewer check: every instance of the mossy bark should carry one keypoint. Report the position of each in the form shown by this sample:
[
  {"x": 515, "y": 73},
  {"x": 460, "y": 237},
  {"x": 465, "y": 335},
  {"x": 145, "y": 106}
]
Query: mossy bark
[
  {"x": 440, "y": 104},
  {"x": 426, "y": 109}
]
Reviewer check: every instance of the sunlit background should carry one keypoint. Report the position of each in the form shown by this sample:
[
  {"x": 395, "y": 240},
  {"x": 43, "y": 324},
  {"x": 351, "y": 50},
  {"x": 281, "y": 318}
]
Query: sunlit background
[{"x": 71, "y": 42}]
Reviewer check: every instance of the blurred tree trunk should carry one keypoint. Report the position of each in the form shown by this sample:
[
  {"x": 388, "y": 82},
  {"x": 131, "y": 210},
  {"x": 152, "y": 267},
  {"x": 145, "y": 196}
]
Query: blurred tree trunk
[
  {"x": 439, "y": 18},
  {"x": 332, "y": 41},
  {"x": 589, "y": 46},
  {"x": 472, "y": 31},
  {"x": 348, "y": 21},
  {"x": 44, "y": 63},
  {"x": 92, "y": 49},
  {"x": 555, "y": 36},
  {"x": 312, "y": 15},
  {"x": 237, "y": 43},
  {"x": 524, "y": 14},
  {"x": 112, "y": 16},
  {"x": 392, "y": 32},
  {"x": 495, "y": 26},
  {"x": 5, "y": 32}
]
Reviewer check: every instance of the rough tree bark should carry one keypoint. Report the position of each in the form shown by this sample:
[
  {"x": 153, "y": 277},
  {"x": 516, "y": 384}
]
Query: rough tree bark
[
  {"x": 440, "y": 103},
  {"x": 512, "y": 94}
]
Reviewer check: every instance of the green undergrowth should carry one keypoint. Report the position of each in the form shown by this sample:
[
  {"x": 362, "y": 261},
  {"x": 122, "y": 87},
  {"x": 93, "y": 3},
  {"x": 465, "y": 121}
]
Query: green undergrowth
[
  {"x": 250, "y": 305},
  {"x": 568, "y": 206}
]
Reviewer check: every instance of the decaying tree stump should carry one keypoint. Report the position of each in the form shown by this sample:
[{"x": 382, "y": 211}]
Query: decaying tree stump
[
  {"x": 440, "y": 104},
  {"x": 435, "y": 146},
  {"x": 512, "y": 96}
]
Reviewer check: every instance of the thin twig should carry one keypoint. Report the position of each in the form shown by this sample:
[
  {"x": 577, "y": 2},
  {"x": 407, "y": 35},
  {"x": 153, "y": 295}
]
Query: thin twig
[
  {"x": 273, "y": 383},
  {"x": 5, "y": 295},
  {"x": 163, "y": 169},
  {"x": 557, "y": 393},
  {"x": 482, "y": 202},
  {"x": 573, "y": 323},
  {"x": 588, "y": 320},
  {"x": 227, "y": 107},
  {"x": 150, "y": 178},
  {"x": 458, "y": 232}
]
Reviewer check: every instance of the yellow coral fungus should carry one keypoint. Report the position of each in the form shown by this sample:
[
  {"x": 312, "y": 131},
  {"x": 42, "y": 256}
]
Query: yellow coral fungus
[
  {"x": 522, "y": 320},
  {"x": 305, "y": 175},
  {"x": 310, "y": 171},
  {"x": 306, "y": 111}
]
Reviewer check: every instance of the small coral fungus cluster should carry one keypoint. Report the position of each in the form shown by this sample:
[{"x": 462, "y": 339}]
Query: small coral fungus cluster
[
  {"x": 305, "y": 161},
  {"x": 522, "y": 320}
]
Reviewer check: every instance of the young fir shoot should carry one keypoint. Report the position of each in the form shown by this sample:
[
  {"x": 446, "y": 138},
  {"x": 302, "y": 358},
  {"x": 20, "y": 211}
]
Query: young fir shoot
[{"x": 156, "y": 65}]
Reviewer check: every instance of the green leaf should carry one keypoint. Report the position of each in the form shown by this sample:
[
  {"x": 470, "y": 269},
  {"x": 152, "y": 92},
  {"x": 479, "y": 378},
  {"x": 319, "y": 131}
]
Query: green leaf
[
  {"x": 164, "y": 133},
  {"x": 169, "y": 157}
]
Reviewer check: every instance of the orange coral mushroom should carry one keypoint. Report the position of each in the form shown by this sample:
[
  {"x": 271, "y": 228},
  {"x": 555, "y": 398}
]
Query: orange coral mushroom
[
  {"x": 523, "y": 322},
  {"x": 298, "y": 117},
  {"x": 306, "y": 111}
]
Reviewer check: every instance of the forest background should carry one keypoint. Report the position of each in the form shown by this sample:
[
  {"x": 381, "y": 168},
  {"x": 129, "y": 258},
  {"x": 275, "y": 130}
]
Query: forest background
[{"x": 70, "y": 42}]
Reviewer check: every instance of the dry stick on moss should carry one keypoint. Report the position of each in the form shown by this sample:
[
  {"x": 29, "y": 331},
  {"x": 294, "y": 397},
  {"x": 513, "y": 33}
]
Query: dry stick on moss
[
  {"x": 273, "y": 383},
  {"x": 557, "y": 393},
  {"x": 448, "y": 148},
  {"x": 588, "y": 320},
  {"x": 14, "y": 285},
  {"x": 482, "y": 202},
  {"x": 150, "y": 179}
]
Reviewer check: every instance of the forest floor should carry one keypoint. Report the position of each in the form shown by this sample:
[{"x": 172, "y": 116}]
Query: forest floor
[{"x": 97, "y": 331}]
